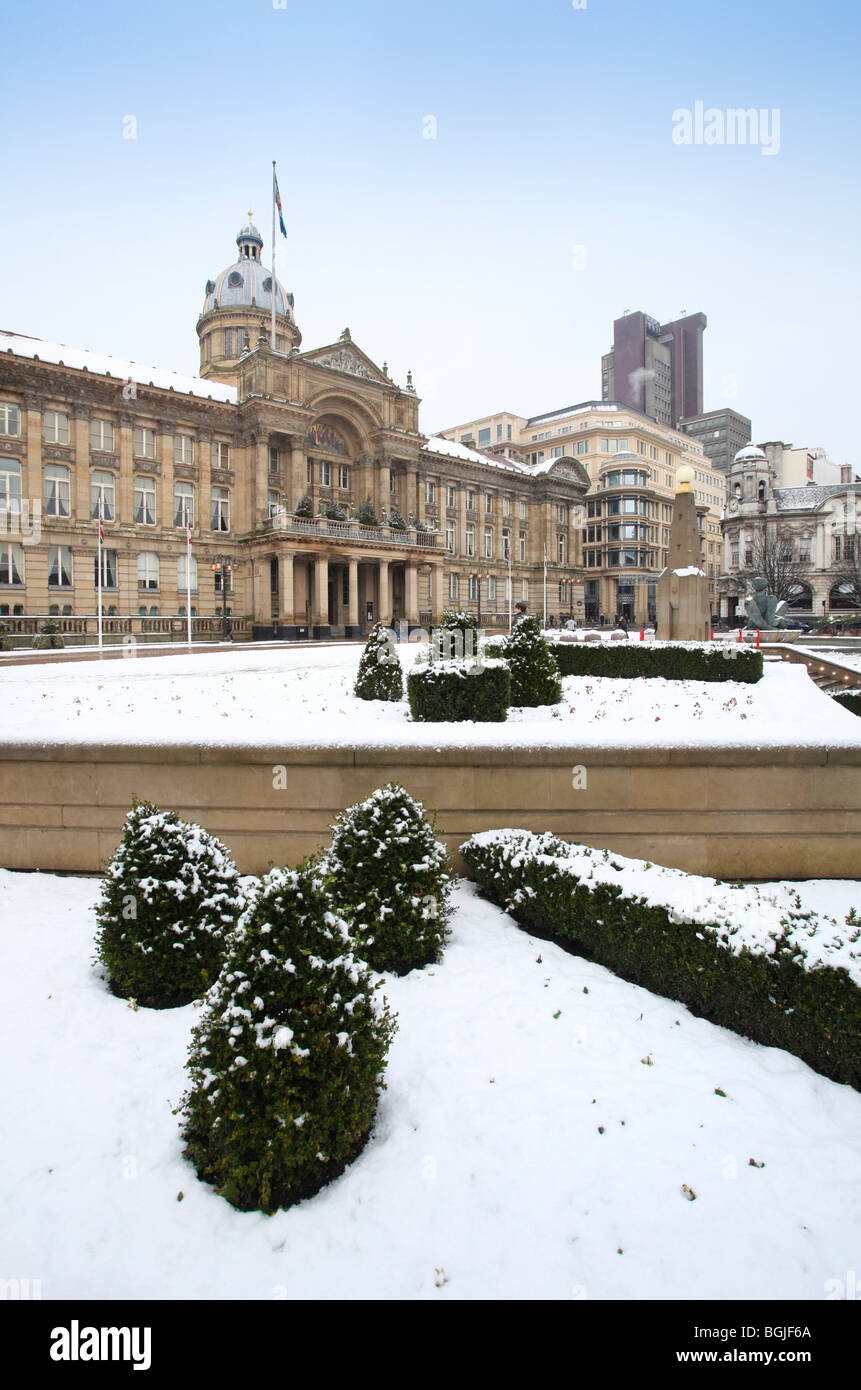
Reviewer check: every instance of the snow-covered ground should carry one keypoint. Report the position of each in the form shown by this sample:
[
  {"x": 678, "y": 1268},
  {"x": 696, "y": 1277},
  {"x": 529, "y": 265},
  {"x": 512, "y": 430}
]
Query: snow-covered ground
[
  {"x": 541, "y": 1122},
  {"x": 305, "y": 696},
  {"x": 852, "y": 659}
]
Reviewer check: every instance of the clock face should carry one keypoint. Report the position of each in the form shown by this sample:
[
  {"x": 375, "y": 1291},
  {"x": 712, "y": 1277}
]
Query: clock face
[{"x": 733, "y": 506}]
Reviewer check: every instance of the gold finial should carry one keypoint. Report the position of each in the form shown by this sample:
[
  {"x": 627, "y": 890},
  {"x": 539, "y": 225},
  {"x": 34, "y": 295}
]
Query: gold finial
[{"x": 250, "y": 216}]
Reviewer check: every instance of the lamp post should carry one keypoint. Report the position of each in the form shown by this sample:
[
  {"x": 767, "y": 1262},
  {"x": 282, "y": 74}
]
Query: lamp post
[
  {"x": 223, "y": 565},
  {"x": 478, "y": 575}
]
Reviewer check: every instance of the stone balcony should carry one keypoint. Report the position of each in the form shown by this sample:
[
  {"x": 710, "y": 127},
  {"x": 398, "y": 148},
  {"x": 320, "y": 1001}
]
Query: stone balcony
[{"x": 350, "y": 532}]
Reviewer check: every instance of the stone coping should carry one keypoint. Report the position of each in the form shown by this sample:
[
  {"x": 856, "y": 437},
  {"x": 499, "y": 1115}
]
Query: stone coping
[{"x": 471, "y": 755}]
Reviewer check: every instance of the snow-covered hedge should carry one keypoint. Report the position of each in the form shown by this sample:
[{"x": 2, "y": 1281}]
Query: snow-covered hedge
[
  {"x": 849, "y": 699},
  {"x": 672, "y": 660},
  {"x": 458, "y": 690},
  {"x": 287, "y": 1060},
  {"x": 739, "y": 956},
  {"x": 391, "y": 878},
  {"x": 534, "y": 673},
  {"x": 171, "y": 895}
]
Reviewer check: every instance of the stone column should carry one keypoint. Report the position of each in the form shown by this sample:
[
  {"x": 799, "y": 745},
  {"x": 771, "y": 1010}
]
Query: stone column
[
  {"x": 125, "y": 490},
  {"x": 438, "y": 593},
  {"x": 384, "y": 494},
  {"x": 353, "y": 627},
  {"x": 261, "y": 614},
  {"x": 286, "y": 622},
  {"x": 164, "y": 483},
  {"x": 79, "y": 483},
  {"x": 260, "y": 503},
  {"x": 298, "y": 471},
  {"x": 320, "y": 601},
  {"x": 411, "y": 594},
  {"x": 384, "y": 604}
]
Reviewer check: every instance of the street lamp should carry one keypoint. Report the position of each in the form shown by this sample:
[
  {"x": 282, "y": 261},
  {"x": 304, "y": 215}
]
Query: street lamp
[
  {"x": 478, "y": 575},
  {"x": 223, "y": 565}
]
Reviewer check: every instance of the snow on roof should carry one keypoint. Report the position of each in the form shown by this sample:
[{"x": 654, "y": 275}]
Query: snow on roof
[
  {"x": 449, "y": 448},
  {"x": 805, "y": 499},
  {"x": 104, "y": 365}
]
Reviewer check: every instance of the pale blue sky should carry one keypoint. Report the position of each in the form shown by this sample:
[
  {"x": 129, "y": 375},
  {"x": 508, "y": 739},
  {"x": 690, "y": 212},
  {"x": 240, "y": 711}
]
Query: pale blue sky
[{"x": 454, "y": 256}]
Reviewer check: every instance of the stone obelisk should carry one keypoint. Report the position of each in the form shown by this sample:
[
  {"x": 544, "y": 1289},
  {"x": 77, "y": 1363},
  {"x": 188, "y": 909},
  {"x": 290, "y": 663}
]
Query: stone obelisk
[{"x": 683, "y": 591}]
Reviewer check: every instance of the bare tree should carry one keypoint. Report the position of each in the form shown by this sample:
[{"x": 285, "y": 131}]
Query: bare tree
[{"x": 772, "y": 553}]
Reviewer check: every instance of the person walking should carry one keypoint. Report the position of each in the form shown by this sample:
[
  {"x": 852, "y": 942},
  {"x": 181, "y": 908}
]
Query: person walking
[{"x": 519, "y": 613}]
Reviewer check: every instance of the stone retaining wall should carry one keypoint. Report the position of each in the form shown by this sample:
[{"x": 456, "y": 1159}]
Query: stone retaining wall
[{"x": 732, "y": 813}]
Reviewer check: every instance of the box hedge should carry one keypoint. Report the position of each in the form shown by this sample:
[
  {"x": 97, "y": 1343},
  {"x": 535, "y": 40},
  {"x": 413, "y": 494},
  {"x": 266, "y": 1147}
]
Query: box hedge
[
  {"x": 672, "y": 661},
  {"x": 732, "y": 955},
  {"x": 459, "y": 690},
  {"x": 849, "y": 699}
]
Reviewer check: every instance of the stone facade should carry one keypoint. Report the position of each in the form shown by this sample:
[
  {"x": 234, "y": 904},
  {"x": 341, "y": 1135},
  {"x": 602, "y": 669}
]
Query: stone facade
[{"x": 235, "y": 452}]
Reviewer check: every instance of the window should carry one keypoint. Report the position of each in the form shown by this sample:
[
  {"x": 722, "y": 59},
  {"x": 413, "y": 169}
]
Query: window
[
  {"x": 748, "y": 555},
  {"x": 452, "y": 586},
  {"x": 430, "y": 492},
  {"x": 109, "y": 569},
  {"x": 144, "y": 445},
  {"x": 183, "y": 449},
  {"x": 804, "y": 549},
  {"x": 103, "y": 489},
  {"x": 56, "y": 427},
  {"x": 521, "y": 547},
  {"x": 488, "y": 504},
  {"x": 522, "y": 511},
  {"x": 102, "y": 436},
  {"x": 563, "y": 515},
  {"x": 491, "y": 587},
  {"x": 483, "y": 437},
  {"x": 506, "y": 544},
  {"x": 274, "y": 460},
  {"x": 57, "y": 490},
  {"x": 11, "y": 563},
  {"x": 449, "y": 538},
  {"x": 147, "y": 570},
  {"x": 60, "y": 567},
  {"x": 524, "y": 591},
  {"x": 10, "y": 485},
  {"x": 218, "y": 576},
  {"x": 220, "y": 454},
  {"x": 10, "y": 419},
  {"x": 325, "y": 473},
  {"x": 472, "y": 587},
  {"x": 498, "y": 433},
  {"x": 182, "y": 574},
  {"x": 508, "y": 436},
  {"x": 220, "y": 509},
  {"x": 488, "y": 543},
  {"x": 470, "y": 540},
  {"x": 470, "y": 500},
  {"x": 183, "y": 504},
  {"x": 506, "y": 506},
  {"x": 274, "y": 502},
  {"x": 560, "y": 550},
  {"x": 145, "y": 501},
  {"x": 344, "y": 478},
  {"x": 733, "y": 557},
  {"x": 228, "y": 342},
  {"x": 451, "y": 497}
]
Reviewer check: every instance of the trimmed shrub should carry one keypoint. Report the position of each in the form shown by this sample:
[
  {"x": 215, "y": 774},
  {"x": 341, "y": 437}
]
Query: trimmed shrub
[
  {"x": 379, "y": 676},
  {"x": 396, "y": 520},
  {"x": 49, "y": 636},
  {"x": 287, "y": 1060},
  {"x": 725, "y": 662},
  {"x": 5, "y": 639},
  {"x": 730, "y": 955},
  {"x": 453, "y": 691},
  {"x": 849, "y": 699},
  {"x": 391, "y": 879},
  {"x": 367, "y": 516},
  {"x": 334, "y": 511},
  {"x": 455, "y": 638},
  {"x": 304, "y": 507},
  {"x": 534, "y": 673},
  {"x": 171, "y": 895}
]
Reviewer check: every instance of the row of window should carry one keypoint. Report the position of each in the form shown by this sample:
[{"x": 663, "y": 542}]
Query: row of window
[
  {"x": 103, "y": 438},
  {"x": 627, "y": 557},
  {"x": 492, "y": 589},
  {"x": 58, "y": 502},
  {"x": 61, "y": 569}
]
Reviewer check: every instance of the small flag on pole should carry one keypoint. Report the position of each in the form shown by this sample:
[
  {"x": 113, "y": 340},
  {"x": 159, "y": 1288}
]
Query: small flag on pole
[{"x": 278, "y": 203}]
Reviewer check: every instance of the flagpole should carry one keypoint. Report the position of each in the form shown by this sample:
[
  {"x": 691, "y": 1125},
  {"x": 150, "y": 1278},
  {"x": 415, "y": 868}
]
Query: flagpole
[
  {"x": 510, "y": 588},
  {"x": 99, "y": 586},
  {"x": 188, "y": 575},
  {"x": 545, "y": 584},
  {"x": 274, "y": 282}
]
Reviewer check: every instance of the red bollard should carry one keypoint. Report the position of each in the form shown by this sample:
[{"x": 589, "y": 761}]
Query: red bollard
[
  {"x": 757, "y": 639},
  {"x": 642, "y": 635},
  {"x": 739, "y": 634}
]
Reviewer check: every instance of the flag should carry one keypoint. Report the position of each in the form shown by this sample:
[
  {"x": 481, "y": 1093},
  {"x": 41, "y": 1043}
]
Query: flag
[
  {"x": 101, "y": 527},
  {"x": 278, "y": 202}
]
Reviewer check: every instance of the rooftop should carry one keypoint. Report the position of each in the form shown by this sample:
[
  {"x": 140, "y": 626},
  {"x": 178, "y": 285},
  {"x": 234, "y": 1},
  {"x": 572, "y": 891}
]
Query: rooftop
[{"x": 82, "y": 359}]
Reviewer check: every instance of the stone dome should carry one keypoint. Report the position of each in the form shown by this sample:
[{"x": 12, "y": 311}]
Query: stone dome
[
  {"x": 247, "y": 282},
  {"x": 750, "y": 454}
]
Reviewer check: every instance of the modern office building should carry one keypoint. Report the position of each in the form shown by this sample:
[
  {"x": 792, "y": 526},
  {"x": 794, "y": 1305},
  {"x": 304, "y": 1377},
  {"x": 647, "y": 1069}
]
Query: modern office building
[
  {"x": 656, "y": 367},
  {"x": 721, "y": 432}
]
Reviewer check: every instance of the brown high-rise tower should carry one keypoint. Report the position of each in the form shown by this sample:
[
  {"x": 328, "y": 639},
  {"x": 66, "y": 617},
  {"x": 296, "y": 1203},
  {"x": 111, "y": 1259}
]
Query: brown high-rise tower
[{"x": 656, "y": 367}]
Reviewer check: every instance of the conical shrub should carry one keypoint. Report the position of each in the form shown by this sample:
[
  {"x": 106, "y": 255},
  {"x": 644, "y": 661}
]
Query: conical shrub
[
  {"x": 379, "y": 676},
  {"x": 287, "y": 1060},
  {"x": 171, "y": 895},
  {"x": 391, "y": 879},
  {"x": 534, "y": 673}
]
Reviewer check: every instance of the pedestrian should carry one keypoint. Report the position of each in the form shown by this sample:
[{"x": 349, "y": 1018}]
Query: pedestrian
[
  {"x": 519, "y": 613},
  {"x": 623, "y": 624}
]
